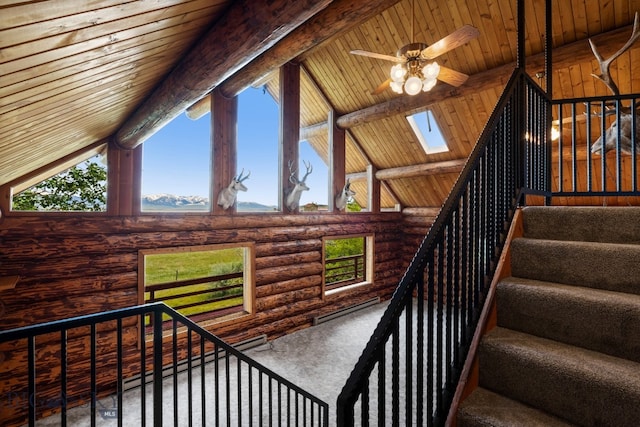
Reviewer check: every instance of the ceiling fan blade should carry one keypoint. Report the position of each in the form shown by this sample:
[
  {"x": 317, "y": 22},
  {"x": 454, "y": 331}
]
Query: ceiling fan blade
[
  {"x": 381, "y": 87},
  {"x": 452, "y": 77},
  {"x": 377, "y": 55},
  {"x": 457, "y": 38}
]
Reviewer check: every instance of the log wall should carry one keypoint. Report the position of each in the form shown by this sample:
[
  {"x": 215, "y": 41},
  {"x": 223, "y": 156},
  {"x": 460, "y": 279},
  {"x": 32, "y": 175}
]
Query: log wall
[{"x": 76, "y": 264}]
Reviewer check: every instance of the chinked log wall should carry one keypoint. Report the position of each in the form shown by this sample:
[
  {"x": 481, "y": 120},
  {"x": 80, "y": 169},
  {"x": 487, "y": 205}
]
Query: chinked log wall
[{"x": 75, "y": 264}]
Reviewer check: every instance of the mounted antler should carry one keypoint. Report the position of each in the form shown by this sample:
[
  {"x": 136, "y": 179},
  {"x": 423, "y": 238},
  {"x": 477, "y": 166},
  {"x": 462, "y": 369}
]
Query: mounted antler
[
  {"x": 625, "y": 119},
  {"x": 293, "y": 199},
  {"x": 227, "y": 196},
  {"x": 605, "y": 75}
]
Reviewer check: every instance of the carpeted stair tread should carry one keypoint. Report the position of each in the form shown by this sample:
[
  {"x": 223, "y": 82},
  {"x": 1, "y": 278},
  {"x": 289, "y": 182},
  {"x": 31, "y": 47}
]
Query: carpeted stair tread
[
  {"x": 582, "y": 386},
  {"x": 595, "y": 319},
  {"x": 610, "y": 266},
  {"x": 616, "y": 224},
  {"x": 485, "y": 408}
]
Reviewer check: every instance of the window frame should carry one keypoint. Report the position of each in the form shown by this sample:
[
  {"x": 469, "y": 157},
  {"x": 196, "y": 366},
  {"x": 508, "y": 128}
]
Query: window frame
[
  {"x": 248, "y": 291},
  {"x": 422, "y": 138},
  {"x": 29, "y": 180},
  {"x": 369, "y": 267}
]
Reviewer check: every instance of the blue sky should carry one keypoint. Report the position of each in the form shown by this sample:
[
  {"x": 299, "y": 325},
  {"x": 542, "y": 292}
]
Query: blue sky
[{"x": 176, "y": 159}]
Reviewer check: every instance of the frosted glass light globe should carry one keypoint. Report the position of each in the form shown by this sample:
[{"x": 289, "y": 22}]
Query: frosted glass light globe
[
  {"x": 428, "y": 84},
  {"x": 396, "y": 87},
  {"x": 413, "y": 85},
  {"x": 431, "y": 70},
  {"x": 398, "y": 72}
]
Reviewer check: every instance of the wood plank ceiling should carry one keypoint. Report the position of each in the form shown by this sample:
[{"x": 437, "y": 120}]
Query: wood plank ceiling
[{"x": 72, "y": 73}]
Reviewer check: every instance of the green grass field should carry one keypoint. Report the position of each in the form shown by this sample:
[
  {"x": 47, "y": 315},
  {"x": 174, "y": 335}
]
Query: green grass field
[{"x": 171, "y": 267}]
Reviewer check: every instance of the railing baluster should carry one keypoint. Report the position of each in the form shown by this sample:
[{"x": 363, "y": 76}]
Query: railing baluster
[
  {"x": 439, "y": 328},
  {"x": 409, "y": 362},
  {"x": 395, "y": 376},
  {"x": 94, "y": 390},
  {"x": 31, "y": 369},
  {"x": 143, "y": 368},
  {"x": 174, "y": 335},
  {"x": 227, "y": 387},
  {"x": 157, "y": 368},
  {"x": 216, "y": 379},
  {"x": 190, "y": 376},
  {"x": 364, "y": 405},
  {"x": 63, "y": 377},
  {"x": 203, "y": 385},
  {"x": 382, "y": 388},
  {"x": 420, "y": 350},
  {"x": 238, "y": 391},
  {"x": 588, "y": 132},
  {"x": 119, "y": 387},
  {"x": 634, "y": 151}
]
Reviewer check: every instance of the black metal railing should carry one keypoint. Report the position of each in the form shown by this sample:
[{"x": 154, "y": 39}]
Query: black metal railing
[
  {"x": 411, "y": 365},
  {"x": 76, "y": 369},
  {"x": 582, "y": 126}
]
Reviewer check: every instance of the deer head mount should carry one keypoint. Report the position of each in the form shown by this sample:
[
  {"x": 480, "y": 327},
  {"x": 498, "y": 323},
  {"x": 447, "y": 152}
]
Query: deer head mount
[
  {"x": 293, "y": 198},
  {"x": 344, "y": 196},
  {"x": 623, "y": 125},
  {"x": 227, "y": 196}
]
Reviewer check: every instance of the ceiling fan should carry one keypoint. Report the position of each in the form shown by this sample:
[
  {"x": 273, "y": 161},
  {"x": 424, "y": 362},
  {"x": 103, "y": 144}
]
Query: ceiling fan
[{"x": 415, "y": 68}]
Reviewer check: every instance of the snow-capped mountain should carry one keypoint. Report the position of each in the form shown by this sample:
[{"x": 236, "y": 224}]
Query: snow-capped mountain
[
  {"x": 165, "y": 202},
  {"x": 172, "y": 200}
]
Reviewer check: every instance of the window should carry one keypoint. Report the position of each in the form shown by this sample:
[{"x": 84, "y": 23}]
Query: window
[
  {"x": 258, "y": 137},
  {"x": 314, "y": 199},
  {"x": 348, "y": 262},
  {"x": 80, "y": 184},
  {"x": 176, "y": 167},
  {"x": 426, "y": 128},
  {"x": 207, "y": 282}
]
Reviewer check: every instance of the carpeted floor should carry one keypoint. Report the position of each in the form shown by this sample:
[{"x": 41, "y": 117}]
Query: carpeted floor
[{"x": 319, "y": 359}]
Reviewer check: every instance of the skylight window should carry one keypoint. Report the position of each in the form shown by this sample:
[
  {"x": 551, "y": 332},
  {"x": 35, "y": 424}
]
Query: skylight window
[{"x": 426, "y": 128}]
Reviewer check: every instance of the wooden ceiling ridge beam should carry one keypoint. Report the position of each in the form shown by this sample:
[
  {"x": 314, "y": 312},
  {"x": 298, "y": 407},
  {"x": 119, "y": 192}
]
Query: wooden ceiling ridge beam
[
  {"x": 423, "y": 169},
  {"x": 248, "y": 29},
  {"x": 563, "y": 56},
  {"x": 339, "y": 17}
]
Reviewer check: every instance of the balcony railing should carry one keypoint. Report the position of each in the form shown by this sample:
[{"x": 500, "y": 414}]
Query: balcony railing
[
  {"x": 213, "y": 295},
  {"x": 79, "y": 366},
  {"x": 579, "y": 126},
  {"x": 344, "y": 270}
]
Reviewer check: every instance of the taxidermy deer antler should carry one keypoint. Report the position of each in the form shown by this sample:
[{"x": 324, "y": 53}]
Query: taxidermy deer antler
[
  {"x": 227, "y": 196},
  {"x": 625, "y": 121},
  {"x": 293, "y": 199}
]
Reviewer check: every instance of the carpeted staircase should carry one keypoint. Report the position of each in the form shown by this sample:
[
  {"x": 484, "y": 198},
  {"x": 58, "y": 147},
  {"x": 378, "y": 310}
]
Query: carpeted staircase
[{"x": 566, "y": 349}]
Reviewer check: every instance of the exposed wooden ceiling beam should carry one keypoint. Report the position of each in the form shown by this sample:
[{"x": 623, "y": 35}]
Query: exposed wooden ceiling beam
[
  {"x": 447, "y": 166},
  {"x": 563, "y": 57},
  {"x": 338, "y": 17},
  {"x": 248, "y": 29}
]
